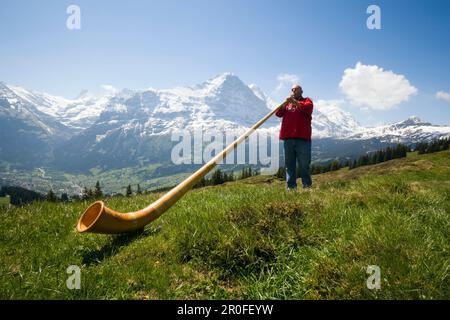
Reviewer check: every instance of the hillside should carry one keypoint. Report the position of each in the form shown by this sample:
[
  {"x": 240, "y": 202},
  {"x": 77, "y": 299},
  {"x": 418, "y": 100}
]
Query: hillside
[{"x": 249, "y": 239}]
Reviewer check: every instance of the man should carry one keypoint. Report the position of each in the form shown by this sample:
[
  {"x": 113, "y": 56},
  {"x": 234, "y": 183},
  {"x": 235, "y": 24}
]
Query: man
[{"x": 296, "y": 112}]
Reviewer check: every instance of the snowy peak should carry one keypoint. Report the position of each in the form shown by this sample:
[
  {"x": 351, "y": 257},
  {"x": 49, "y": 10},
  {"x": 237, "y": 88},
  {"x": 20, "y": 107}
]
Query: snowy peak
[
  {"x": 223, "y": 80},
  {"x": 414, "y": 120},
  {"x": 222, "y": 102},
  {"x": 76, "y": 114},
  {"x": 410, "y": 130},
  {"x": 411, "y": 121},
  {"x": 330, "y": 120},
  {"x": 19, "y": 109},
  {"x": 43, "y": 102},
  {"x": 257, "y": 91}
]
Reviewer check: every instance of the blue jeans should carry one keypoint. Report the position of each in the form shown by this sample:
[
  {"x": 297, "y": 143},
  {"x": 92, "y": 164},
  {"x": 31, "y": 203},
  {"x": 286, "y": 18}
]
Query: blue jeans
[{"x": 297, "y": 151}]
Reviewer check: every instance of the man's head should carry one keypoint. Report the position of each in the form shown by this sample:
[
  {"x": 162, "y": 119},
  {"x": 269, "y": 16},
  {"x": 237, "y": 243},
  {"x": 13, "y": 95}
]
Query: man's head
[{"x": 297, "y": 92}]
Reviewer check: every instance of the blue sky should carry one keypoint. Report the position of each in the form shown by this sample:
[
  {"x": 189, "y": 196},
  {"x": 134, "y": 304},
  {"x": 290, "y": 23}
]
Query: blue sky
[{"x": 162, "y": 44}]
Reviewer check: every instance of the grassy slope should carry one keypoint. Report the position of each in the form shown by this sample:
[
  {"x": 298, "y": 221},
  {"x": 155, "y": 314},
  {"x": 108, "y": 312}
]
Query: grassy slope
[
  {"x": 4, "y": 201},
  {"x": 250, "y": 239}
]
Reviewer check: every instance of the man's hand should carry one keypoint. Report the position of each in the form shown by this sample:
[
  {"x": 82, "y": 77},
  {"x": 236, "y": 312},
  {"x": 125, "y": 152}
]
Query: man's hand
[{"x": 289, "y": 100}]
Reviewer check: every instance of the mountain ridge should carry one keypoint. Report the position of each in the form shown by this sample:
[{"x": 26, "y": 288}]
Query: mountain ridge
[
  {"x": 223, "y": 96},
  {"x": 130, "y": 126}
]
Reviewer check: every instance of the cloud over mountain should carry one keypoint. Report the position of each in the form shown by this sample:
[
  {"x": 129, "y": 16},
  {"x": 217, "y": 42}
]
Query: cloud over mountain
[
  {"x": 372, "y": 87},
  {"x": 286, "y": 80}
]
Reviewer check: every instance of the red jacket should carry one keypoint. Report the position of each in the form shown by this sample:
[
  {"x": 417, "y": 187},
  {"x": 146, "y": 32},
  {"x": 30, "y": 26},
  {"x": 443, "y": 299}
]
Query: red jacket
[{"x": 296, "y": 120}]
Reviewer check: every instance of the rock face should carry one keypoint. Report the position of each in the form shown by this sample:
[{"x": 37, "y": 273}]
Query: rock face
[{"x": 27, "y": 135}]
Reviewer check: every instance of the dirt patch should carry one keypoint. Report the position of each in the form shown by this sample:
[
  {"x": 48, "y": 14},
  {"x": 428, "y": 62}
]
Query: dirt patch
[
  {"x": 423, "y": 164},
  {"x": 417, "y": 187}
]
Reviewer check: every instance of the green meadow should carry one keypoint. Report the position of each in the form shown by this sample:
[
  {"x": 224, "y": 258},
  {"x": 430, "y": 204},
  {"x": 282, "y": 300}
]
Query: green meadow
[{"x": 249, "y": 239}]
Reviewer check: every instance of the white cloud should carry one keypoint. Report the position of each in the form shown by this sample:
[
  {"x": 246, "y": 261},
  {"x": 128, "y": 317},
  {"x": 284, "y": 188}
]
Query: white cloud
[
  {"x": 323, "y": 105},
  {"x": 109, "y": 88},
  {"x": 443, "y": 95},
  {"x": 371, "y": 87},
  {"x": 286, "y": 80}
]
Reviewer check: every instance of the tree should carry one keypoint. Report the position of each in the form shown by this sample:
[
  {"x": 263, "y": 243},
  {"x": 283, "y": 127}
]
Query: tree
[
  {"x": 366, "y": 160},
  {"x": 346, "y": 163},
  {"x": 434, "y": 146},
  {"x": 281, "y": 173},
  {"x": 374, "y": 158},
  {"x": 202, "y": 183},
  {"x": 98, "y": 190},
  {"x": 20, "y": 196},
  {"x": 315, "y": 169},
  {"x": 244, "y": 173},
  {"x": 380, "y": 156},
  {"x": 335, "y": 165},
  {"x": 362, "y": 161},
  {"x": 64, "y": 197},
  {"x": 247, "y": 172},
  {"x": 129, "y": 191},
  {"x": 84, "y": 194},
  {"x": 446, "y": 143},
  {"x": 388, "y": 156},
  {"x": 225, "y": 177},
  {"x": 217, "y": 177},
  {"x": 87, "y": 194},
  {"x": 51, "y": 196},
  {"x": 421, "y": 147},
  {"x": 139, "y": 190},
  {"x": 403, "y": 151}
]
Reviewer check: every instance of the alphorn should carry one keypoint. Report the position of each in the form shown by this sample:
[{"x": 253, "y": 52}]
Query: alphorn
[{"x": 98, "y": 218}]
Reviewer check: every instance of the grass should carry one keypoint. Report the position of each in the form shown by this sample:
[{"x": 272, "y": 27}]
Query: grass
[
  {"x": 249, "y": 239},
  {"x": 5, "y": 201}
]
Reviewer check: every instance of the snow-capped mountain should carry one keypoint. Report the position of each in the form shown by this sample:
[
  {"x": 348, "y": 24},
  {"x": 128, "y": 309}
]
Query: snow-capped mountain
[
  {"x": 27, "y": 135},
  {"x": 77, "y": 114},
  {"x": 222, "y": 103},
  {"x": 26, "y": 110},
  {"x": 410, "y": 130},
  {"x": 130, "y": 126},
  {"x": 138, "y": 123},
  {"x": 330, "y": 121}
]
